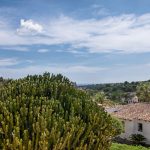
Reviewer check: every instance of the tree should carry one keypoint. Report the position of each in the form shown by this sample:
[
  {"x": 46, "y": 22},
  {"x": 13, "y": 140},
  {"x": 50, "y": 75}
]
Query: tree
[
  {"x": 100, "y": 97},
  {"x": 143, "y": 92}
]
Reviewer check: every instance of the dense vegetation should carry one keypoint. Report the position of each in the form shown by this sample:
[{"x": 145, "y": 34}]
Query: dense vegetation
[
  {"x": 46, "y": 112},
  {"x": 119, "y": 91},
  {"x": 4, "y": 81},
  {"x": 116, "y": 146},
  {"x": 143, "y": 92}
]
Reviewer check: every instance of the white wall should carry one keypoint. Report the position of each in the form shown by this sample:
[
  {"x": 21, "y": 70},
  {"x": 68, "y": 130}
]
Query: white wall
[
  {"x": 131, "y": 127},
  {"x": 146, "y": 129},
  {"x": 128, "y": 129}
]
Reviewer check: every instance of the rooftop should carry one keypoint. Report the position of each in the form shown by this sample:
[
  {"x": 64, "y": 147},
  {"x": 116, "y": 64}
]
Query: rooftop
[{"x": 139, "y": 111}]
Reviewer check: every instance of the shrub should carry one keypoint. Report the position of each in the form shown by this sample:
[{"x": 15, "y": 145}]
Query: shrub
[
  {"x": 46, "y": 112},
  {"x": 138, "y": 138}
]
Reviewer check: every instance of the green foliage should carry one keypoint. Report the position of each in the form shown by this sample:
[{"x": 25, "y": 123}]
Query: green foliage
[
  {"x": 117, "y": 124},
  {"x": 46, "y": 112},
  {"x": 99, "y": 97},
  {"x": 4, "y": 81},
  {"x": 143, "y": 92},
  {"x": 137, "y": 138},
  {"x": 113, "y": 91},
  {"x": 116, "y": 146}
]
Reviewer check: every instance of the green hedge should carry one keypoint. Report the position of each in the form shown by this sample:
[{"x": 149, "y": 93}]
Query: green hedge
[{"x": 116, "y": 146}]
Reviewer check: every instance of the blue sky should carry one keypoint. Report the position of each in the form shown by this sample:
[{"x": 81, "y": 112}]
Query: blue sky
[{"x": 89, "y": 41}]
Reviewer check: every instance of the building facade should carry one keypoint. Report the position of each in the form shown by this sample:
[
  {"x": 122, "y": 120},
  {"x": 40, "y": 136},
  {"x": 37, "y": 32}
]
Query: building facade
[
  {"x": 135, "y": 119},
  {"x": 136, "y": 127}
]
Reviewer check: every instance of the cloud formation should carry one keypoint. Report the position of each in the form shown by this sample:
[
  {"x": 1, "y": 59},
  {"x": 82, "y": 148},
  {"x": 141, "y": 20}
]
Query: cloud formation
[
  {"x": 29, "y": 27},
  {"x": 43, "y": 50},
  {"x": 72, "y": 71},
  {"x": 5, "y": 62},
  {"x": 125, "y": 33},
  {"x": 14, "y": 48}
]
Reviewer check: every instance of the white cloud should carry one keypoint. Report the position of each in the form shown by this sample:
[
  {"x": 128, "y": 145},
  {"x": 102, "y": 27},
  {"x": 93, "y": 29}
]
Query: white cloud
[
  {"x": 4, "y": 62},
  {"x": 43, "y": 50},
  {"x": 85, "y": 69},
  {"x": 15, "y": 48},
  {"x": 124, "y": 33},
  {"x": 29, "y": 61},
  {"x": 72, "y": 71},
  {"x": 29, "y": 27},
  {"x": 99, "y": 10}
]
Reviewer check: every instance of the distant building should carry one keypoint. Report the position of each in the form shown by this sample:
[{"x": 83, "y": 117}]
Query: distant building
[
  {"x": 135, "y": 118},
  {"x": 130, "y": 98},
  {"x": 133, "y": 100}
]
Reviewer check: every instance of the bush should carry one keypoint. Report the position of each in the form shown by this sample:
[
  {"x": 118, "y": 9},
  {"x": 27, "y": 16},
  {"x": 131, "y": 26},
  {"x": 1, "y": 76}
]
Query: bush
[
  {"x": 46, "y": 112},
  {"x": 138, "y": 138}
]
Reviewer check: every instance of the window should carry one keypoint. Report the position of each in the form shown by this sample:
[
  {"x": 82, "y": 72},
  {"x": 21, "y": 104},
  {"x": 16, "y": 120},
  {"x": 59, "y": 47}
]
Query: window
[{"x": 140, "y": 127}]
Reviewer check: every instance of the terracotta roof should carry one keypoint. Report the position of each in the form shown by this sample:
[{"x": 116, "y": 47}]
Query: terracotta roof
[{"x": 140, "y": 111}]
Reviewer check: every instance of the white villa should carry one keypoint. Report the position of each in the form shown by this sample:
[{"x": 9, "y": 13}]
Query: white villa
[{"x": 136, "y": 119}]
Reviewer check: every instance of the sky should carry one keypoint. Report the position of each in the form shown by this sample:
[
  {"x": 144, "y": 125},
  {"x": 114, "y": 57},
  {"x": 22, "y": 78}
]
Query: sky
[{"x": 88, "y": 41}]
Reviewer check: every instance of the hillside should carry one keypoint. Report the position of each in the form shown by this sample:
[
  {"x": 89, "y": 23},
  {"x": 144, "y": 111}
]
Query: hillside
[{"x": 115, "y": 91}]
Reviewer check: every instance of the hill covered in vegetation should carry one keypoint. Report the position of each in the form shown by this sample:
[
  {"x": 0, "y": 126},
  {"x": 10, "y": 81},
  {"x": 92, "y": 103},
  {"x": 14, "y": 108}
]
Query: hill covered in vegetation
[
  {"x": 117, "y": 92},
  {"x": 47, "y": 112}
]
